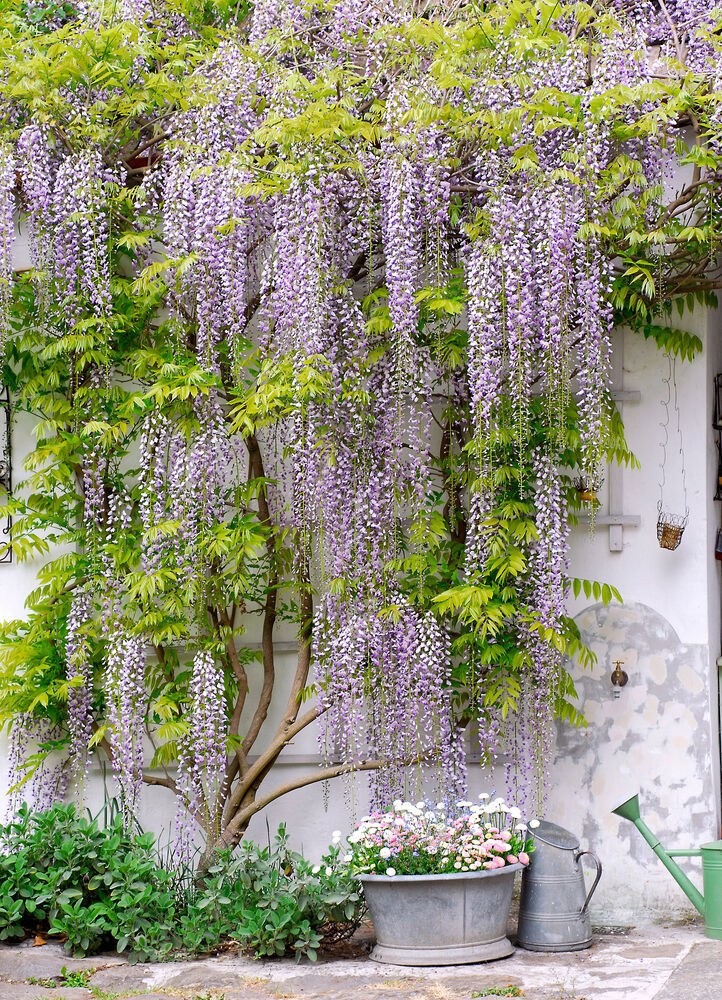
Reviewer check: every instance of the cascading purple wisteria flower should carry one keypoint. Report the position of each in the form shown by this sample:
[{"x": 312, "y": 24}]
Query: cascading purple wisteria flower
[
  {"x": 278, "y": 15},
  {"x": 210, "y": 223},
  {"x": 41, "y": 782},
  {"x": 525, "y": 320},
  {"x": 153, "y": 487},
  {"x": 80, "y": 695},
  {"x": 202, "y": 757},
  {"x": 7, "y": 234},
  {"x": 548, "y": 565},
  {"x": 401, "y": 241},
  {"x": 139, "y": 11},
  {"x": 68, "y": 224},
  {"x": 486, "y": 333},
  {"x": 593, "y": 282},
  {"x": 385, "y": 691},
  {"x": 680, "y": 28},
  {"x": 80, "y": 233},
  {"x": 36, "y": 166},
  {"x": 94, "y": 498},
  {"x": 125, "y": 693},
  {"x": 184, "y": 484}
]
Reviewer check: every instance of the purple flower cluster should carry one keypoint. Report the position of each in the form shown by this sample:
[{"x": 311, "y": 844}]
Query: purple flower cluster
[
  {"x": 202, "y": 757},
  {"x": 7, "y": 235},
  {"x": 65, "y": 195},
  {"x": 125, "y": 693},
  {"x": 531, "y": 753},
  {"x": 80, "y": 696},
  {"x": 185, "y": 485},
  {"x": 680, "y": 29},
  {"x": 36, "y": 774},
  {"x": 384, "y": 680}
]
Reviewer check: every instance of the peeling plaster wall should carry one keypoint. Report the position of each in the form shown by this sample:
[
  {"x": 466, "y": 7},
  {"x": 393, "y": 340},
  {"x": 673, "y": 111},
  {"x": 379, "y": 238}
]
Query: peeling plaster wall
[{"x": 655, "y": 736}]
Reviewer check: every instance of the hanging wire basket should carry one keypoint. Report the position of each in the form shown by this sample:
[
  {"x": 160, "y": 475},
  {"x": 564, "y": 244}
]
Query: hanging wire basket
[
  {"x": 588, "y": 485},
  {"x": 670, "y": 527}
]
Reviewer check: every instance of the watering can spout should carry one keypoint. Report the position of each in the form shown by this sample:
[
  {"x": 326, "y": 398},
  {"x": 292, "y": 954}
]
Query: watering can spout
[{"x": 630, "y": 810}]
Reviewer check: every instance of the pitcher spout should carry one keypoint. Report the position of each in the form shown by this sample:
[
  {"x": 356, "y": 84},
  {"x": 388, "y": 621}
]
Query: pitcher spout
[{"x": 630, "y": 810}]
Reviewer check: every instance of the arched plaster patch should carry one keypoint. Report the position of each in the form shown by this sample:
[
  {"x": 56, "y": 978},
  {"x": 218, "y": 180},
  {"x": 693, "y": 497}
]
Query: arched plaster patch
[{"x": 654, "y": 738}]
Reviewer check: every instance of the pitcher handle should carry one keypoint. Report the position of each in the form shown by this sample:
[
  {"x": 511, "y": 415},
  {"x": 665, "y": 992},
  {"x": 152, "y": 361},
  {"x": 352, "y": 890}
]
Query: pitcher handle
[{"x": 598, "y": 863}]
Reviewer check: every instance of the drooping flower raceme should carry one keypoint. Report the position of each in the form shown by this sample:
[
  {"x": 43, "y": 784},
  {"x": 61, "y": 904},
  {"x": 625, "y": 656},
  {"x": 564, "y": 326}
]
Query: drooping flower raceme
[
  {"x": 203, "y": 750},
  {"x": 79, "y": 672},
  {"x": 7, "y": 234},
  {"x": 126, "y": 694}
]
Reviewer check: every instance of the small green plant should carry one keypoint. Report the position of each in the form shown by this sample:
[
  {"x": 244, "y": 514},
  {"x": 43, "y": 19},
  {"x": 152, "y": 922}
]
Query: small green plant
[
  {"x": 499, "y": 991},
  {"x": 75, "y": 978},
  {"x": 271, "y": 900}
]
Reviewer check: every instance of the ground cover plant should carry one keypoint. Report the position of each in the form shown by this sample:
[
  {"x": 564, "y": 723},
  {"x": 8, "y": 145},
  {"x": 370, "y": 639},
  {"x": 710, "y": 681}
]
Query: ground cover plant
[
  {"x": 75, "y": 978},
  {"x": 98, "y": 888},
  {"x": 499, "y": 991},
  {"x": 317, "y": 318}
]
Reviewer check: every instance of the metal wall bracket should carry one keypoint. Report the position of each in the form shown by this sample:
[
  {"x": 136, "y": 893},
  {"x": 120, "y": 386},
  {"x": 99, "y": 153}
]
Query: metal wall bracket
[{"x": 612, "y": 520}]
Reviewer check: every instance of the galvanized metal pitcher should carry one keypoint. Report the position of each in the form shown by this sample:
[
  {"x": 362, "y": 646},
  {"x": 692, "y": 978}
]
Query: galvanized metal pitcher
[{"x": 553, "y": 915}]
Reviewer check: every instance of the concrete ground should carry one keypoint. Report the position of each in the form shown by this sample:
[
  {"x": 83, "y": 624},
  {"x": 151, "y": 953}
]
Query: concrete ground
[{"x": 649, "y": 963}]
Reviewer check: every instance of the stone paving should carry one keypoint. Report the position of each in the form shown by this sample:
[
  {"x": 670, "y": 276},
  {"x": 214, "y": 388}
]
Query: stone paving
[{"x": 650, "y": 963}]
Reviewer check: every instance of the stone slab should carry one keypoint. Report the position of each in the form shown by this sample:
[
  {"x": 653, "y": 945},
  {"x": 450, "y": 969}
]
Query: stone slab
[
  {"x": 27, "y": 991},
  {"x": 19, "y": 962},
  {"x": 698, "y": 976},
  {"x": 121, "y": 977}
]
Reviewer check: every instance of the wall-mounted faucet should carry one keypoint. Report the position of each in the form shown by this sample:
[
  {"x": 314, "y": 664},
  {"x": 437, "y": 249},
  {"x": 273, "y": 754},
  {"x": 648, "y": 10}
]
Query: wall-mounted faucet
[{"x": 619, "y": 677}]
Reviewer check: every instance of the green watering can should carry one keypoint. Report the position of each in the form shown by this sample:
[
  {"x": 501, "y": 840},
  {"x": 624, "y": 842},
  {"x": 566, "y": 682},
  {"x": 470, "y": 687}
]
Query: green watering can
[{"x": 709, "y": 905}]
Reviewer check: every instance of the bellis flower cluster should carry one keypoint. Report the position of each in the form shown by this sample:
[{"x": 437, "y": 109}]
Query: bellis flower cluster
[{"x": 425, "y": 839}]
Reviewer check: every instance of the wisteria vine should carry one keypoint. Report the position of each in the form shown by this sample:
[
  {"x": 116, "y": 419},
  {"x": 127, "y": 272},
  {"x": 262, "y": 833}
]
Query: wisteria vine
[{"x": 370, "y": 257}]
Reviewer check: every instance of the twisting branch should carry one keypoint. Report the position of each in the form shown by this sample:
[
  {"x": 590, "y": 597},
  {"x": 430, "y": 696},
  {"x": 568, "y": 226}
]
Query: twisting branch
[{"x": 271, "y": 601}]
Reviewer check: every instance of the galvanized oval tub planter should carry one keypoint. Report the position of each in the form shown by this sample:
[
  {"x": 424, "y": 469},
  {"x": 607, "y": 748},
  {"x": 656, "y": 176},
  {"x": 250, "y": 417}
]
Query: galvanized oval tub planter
[{"x": 441, "y": 919}]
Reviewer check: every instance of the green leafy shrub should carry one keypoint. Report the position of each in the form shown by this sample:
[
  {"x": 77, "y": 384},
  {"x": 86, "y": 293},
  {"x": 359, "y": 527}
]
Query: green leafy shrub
[
  {"x": 271, "y": 900},
  {"x": 106, "y": 887},
  {"x": 61, "y": 872}
]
